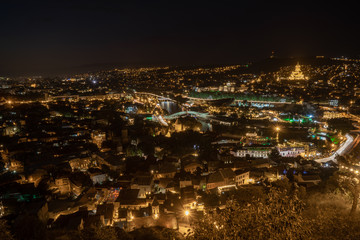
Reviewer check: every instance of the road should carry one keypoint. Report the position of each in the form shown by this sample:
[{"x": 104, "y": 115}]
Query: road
[{"x": 345, "y": 148}]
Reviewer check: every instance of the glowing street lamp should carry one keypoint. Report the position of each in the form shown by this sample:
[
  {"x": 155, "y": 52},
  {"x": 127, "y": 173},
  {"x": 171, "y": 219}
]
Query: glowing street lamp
[
  {"x": 277, "y": 129},
  {"x": 187, "y": 213}
]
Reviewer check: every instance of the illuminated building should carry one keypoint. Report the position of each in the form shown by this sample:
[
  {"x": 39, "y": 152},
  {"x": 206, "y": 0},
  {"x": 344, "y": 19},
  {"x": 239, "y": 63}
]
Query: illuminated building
[{"x": 297, "y": 74}]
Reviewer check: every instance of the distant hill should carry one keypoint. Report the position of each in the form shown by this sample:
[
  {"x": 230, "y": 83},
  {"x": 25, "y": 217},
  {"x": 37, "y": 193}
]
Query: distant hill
[{"x": 274, "y": 64}]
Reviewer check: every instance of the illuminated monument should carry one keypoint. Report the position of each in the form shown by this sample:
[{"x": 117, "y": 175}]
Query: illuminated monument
[{"x": 297, "y": 74}]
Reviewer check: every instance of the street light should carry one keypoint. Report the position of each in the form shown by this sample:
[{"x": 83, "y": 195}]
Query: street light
[
  {"x": 186, "y": 212},
  {"x": 277, "y": 129}
]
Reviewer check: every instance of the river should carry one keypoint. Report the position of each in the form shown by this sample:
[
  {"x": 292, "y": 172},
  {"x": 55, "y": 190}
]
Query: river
[{"x": 170, "y": 107}]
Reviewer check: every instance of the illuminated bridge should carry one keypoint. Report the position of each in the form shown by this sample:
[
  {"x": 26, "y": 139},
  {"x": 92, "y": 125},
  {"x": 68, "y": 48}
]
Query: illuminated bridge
[
  {"x": 187, "y": 113},
  {"x": 146, "y": 94},
  {"x": 163, "y": 119}
]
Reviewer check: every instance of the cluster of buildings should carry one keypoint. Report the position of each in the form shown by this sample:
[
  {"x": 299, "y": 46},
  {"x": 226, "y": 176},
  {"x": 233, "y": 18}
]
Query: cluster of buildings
[
  {"x": 77, "y": 166},
  {"x": 86, "y": 151}
]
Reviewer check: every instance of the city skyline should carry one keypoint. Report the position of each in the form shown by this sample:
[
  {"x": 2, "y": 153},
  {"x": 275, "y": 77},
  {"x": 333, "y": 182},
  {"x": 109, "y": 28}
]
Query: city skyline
[{"x": 47, "y": 38}]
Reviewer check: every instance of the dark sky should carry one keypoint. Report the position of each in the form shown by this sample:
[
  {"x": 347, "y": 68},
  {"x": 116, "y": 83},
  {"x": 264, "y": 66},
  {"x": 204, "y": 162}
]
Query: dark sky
[{"x": 59, "y": 36}]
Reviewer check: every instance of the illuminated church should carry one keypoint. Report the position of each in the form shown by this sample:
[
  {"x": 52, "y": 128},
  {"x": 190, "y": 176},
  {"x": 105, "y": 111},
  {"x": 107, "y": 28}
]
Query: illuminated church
[{"x": 297, "y": 74}]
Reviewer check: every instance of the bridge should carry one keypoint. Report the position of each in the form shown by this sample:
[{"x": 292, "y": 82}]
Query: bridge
[
  {"x": 159, "y": 97},
  {"x": 188, "y": 113},
  {"x": 205, "y": 117},
  {"x": 162, "y": 119}
]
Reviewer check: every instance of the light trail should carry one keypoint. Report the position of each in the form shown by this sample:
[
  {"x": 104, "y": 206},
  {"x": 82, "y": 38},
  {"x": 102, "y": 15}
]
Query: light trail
[{"x": 343, "y": 149}]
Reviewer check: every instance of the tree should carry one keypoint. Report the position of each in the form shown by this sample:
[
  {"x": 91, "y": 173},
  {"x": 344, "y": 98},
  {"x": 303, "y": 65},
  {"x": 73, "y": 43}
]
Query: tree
[
  {"x": 329, "y": 216},
  {"x": 279, "y": 216},
  {"x": 5, "y": 233},
  {"x": 350, "y": 186}
]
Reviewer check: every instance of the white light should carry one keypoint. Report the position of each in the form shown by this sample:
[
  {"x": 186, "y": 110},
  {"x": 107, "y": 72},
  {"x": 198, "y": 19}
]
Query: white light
[{"x": 187, "y": 213}]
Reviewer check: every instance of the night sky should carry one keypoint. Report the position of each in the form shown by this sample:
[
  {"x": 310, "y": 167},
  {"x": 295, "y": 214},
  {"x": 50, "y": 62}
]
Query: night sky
[{"x": 52, "y": 37}]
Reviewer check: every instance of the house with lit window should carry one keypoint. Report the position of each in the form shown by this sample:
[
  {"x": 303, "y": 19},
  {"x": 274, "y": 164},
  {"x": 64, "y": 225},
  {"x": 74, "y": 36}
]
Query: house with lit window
[
  {"x": 145, "y": 184},
  {"x": 250, "y": 176},
  {"x": 220, "y": 178}
]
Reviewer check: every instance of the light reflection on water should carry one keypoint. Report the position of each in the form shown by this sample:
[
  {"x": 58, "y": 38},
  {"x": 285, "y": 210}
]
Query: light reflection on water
[{"x": 170, "y": 107}]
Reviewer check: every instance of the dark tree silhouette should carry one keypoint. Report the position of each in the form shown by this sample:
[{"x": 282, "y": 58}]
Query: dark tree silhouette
[
  {"x": 278, "y": 216},
  {"x": 5, "y": 233}
]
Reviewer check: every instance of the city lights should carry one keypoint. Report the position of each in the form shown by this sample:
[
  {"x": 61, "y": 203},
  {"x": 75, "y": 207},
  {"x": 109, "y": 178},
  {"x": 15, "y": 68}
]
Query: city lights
[{"x": 179, "y": 121}]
